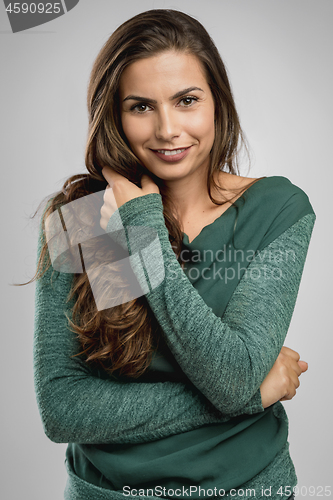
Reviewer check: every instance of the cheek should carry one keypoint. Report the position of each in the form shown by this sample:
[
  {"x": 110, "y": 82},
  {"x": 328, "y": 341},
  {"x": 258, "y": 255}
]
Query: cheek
[
  {"x": 136, "y": 131},
  {"x": 202, "y": 126},
  {"x": 203, "y": 129}
]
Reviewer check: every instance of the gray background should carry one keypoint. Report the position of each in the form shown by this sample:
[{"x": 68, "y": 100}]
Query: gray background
[{"x": 278, "y": 54}]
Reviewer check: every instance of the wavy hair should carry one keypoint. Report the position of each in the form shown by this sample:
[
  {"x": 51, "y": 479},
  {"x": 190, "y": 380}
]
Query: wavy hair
[{"x": 122, "y": 339}]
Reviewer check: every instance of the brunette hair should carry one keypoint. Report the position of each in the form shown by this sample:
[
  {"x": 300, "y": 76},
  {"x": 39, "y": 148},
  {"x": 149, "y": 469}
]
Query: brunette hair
[{"x": 122, "y": 338}]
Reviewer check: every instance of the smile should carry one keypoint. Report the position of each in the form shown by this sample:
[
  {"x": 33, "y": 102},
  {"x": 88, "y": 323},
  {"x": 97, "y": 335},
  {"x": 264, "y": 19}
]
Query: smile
[
  {"x": 171, "y": 152},
  {"x": 171, "y": 155}
]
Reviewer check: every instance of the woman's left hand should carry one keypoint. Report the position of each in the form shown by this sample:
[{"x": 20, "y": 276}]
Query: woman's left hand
[
  {"x": 122, "y": 190},
  {"x": 282, "y": 380}
]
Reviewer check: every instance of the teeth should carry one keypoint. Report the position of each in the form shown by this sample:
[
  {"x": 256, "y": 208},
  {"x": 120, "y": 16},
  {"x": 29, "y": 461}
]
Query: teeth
[{"x": 170, "y": 153}]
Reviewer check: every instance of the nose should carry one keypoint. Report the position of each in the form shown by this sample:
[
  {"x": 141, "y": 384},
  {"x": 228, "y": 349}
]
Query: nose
[{"x": 167, "y": 125}]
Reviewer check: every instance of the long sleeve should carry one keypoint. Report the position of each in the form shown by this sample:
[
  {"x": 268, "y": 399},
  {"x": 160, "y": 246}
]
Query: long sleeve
[
  {"x": 226, "y": 358},
  {"x": 76, "y": 405}
]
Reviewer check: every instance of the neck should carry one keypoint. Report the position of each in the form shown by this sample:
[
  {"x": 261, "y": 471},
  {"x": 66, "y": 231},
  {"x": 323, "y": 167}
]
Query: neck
[{"x": 190, "y": 196}]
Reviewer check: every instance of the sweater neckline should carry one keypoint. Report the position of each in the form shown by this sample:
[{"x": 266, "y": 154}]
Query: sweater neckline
[{"x": 222, "y": 216}]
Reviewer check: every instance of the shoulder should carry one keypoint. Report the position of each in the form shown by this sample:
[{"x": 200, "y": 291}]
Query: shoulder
[
  {"x": 282, "y": 184},
  {"x": 280, "y": 192},
  {"x": 270, "y": 192},
  {"x": 270, "y": 206}
]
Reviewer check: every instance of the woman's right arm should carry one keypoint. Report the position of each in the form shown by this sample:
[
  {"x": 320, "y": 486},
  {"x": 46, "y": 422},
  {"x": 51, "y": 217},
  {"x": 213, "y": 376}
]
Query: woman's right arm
[{"x": 77, "y": 406}]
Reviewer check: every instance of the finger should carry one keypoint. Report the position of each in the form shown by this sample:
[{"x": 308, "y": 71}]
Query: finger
[
  {"x": 299, "y": 367},
  {"x": 288, "y": 397},
  {"x": 146, "y": 180},
  {"x": 303, "y": 365},
  {"x": 103, "y": 219},
  {"x": 110, "y": 175},
  {"x": 109, "y": 199},
  {"x": 291, "y": 392},
  {"x": 290, "y": 352},
  {"x": 295, "y": 382},
  {"x": 147, "y": 183}
]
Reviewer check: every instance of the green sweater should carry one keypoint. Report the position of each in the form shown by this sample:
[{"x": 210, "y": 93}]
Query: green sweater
[{"x": 223, "y": 332}]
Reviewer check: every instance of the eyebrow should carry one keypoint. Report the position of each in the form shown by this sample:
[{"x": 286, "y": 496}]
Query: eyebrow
[{"x": 175, "y": 96}]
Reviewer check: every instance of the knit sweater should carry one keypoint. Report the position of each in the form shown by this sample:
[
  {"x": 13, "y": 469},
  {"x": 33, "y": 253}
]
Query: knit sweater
[{"x": 225, "y": 358}]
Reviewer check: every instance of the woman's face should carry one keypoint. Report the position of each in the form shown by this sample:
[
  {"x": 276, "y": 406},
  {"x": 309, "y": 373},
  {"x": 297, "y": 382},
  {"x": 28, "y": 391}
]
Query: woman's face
[{"x": 167, "y": 114}]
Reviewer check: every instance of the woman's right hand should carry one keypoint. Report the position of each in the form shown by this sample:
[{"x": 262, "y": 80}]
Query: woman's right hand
[{"x": 282, "y": 381}]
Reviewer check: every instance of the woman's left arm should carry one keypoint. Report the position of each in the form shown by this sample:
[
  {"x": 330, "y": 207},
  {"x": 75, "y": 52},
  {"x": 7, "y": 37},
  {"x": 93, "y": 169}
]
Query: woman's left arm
[{"x": 226, "y": 359}]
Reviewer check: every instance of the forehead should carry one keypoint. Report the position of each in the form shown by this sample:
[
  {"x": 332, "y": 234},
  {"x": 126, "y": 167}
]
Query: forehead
[{"x": 166, "y": 72}]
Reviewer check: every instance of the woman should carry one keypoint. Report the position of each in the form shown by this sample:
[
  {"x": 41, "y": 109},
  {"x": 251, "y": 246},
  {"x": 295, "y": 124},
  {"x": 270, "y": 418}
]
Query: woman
[{"x": 173, "y": 381}]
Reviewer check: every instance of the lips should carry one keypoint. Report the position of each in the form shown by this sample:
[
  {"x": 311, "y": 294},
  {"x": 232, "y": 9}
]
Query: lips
[
  {"x": 171, "y": 155},
  {"x": 170, "y": 152}
]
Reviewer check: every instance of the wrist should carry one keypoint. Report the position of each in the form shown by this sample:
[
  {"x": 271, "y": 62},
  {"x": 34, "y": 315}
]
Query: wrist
[
  {"x": 124, "y": 226},
  {"x": 144, "y": 210}
]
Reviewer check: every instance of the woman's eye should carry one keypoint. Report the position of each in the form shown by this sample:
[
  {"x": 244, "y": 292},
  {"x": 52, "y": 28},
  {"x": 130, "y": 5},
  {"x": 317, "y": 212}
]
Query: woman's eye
[
  {"x": 188, "y": 101},
  {"x": 140, "y": 108}
]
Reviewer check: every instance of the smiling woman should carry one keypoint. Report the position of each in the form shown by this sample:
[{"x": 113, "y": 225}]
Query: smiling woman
[
  {"x": 176, "y": 121},
  {"x": 176, "y": 389}
]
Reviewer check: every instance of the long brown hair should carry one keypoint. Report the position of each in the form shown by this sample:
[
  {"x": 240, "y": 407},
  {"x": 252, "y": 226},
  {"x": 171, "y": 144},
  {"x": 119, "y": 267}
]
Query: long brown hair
[{"x": 122, "y": 338}]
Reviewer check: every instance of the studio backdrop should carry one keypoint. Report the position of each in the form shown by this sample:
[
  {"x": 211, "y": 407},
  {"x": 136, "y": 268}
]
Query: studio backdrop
[{"x": 278, "y": 55}]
